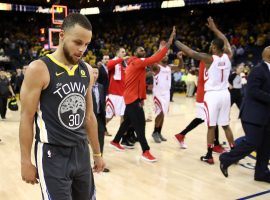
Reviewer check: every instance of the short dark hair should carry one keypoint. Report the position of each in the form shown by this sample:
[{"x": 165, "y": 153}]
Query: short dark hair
[
  {"x": 218, "y": 43},
  {"x": 118, "y": 49},
  {"x": 136, "y": 48},
  {"x": 75, "y": 18}
]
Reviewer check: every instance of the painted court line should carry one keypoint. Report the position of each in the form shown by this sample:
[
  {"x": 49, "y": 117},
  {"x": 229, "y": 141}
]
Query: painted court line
[{"x": 255, "y": 195}]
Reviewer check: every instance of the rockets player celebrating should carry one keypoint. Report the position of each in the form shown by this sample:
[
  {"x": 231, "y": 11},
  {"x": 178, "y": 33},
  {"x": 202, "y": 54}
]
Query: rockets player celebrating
[
  {"x": 115, "y": 105},
  {"x": 135, "y": 93},
  {"x": 161, "y": 92},
  {"x": 200, "y": 113},
  {"x": 217, "y": 96}
]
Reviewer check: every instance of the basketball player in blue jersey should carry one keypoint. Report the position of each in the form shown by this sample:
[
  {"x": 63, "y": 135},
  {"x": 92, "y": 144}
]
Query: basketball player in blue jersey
[{"x": 57, "y": 95}]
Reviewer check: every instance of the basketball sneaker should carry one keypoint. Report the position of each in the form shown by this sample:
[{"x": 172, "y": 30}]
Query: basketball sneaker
[
  {"x": 116, "y": 146},
  {"x": 147, "y": 156},
  {"x": 181, "y": 139},
  {"x": 132, "y": 140},
  {"x": 219, "y": 149},
  {"x": 161, "y": 137},
  {"x": 156, "y": 137},
  {"x": 126, "y": 144},
  {"x": 208, "y": 159}
]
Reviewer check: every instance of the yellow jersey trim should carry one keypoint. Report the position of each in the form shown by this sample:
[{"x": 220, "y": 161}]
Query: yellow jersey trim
[{"x": 70, "y": 72}]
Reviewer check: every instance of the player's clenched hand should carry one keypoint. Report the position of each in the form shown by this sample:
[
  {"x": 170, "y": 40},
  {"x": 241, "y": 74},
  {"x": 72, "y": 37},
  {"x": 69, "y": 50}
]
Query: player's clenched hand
[
  {"x": 211, "y": 24},
  {"x": 180, "y": 55},
  {"x": 29, "y": 173},
  {"x": 99, "y": 164}
]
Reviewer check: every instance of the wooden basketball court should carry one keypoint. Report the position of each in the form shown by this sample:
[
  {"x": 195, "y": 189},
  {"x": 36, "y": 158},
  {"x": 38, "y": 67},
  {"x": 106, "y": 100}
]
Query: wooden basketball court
[{"x": 178, "y": 174}]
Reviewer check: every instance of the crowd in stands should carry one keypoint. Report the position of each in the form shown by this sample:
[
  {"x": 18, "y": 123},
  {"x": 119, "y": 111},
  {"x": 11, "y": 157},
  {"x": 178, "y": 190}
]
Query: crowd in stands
[{"x": 20, "y": 36}]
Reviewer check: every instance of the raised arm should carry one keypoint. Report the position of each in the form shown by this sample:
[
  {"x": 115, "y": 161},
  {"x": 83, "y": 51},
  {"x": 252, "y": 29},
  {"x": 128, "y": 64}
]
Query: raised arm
[
  {"x": 91, "y": 127},
  {"x": 194, "y": 54},
  {"x": 111, "y": 63},
  {"x": 161, "y": 53},
  {"x": 212, "y": 26},
  {"x": 34, "y": 81}
]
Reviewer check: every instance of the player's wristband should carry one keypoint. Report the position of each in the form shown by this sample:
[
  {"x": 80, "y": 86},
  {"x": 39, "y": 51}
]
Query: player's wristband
[{"x": 97, "y": 154}]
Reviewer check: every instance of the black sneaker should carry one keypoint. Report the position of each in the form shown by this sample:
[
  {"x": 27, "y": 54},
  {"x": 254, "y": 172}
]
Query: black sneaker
[
  {"x": 263, "y": 179},
  {"x": 106, "y": 170},
  {"x": 127, "y": 145},
  {"x": 132, "y": 140},
  {"x": 156, "y": 137},
  {"x": 208, "y": 159},
  {"x": 135, "y": 139},
  {"x": 162, "y": 138}
]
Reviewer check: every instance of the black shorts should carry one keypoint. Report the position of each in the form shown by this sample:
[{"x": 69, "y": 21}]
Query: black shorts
[{"x": 65, "y": 172}]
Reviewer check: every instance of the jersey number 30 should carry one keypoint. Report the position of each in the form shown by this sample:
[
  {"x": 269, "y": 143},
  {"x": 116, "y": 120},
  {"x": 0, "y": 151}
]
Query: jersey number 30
[{"x": 74, "y": 120}]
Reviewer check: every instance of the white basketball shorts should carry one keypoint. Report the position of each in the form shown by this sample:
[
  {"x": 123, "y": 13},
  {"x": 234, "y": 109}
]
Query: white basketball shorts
[
  {"x": 115, "y": 106},
  {"x": 217, "y": 105}
]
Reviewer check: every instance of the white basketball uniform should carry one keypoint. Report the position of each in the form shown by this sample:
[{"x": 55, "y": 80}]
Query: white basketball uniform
[
  {"x": 161, "y": 90},
  {"x": 200, "y": 111},
  {"x": 115, "y": 106},
  {"x": 217, "y": 97}
]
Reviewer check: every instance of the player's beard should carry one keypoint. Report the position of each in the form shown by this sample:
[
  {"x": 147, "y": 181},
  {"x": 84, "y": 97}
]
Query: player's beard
[
  {"x": 68, "y": 56},
  {"x": 140, "y": 55}
]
